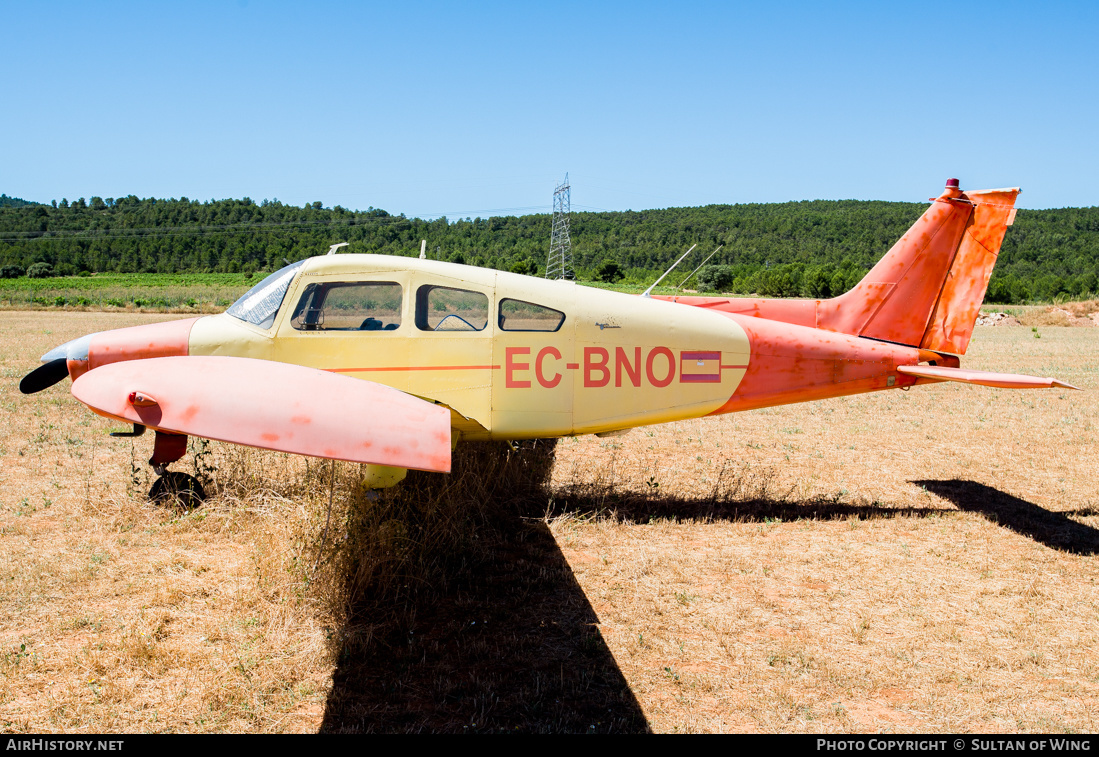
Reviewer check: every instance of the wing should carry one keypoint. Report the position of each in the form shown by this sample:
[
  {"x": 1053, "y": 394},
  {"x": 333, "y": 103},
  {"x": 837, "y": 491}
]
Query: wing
[
  {"x": 277, "y": 406},
  {"x": 982, "y": 378}
]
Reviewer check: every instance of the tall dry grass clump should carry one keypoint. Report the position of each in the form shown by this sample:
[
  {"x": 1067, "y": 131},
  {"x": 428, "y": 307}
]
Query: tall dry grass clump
[
  {"x": 367, "y": 556},
  {"x": 389, "y": 552}
]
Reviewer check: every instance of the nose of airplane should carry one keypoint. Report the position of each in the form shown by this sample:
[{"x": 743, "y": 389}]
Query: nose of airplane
[
  {"x": 55, "y": 364},
  {"x": 168, "y": 339}
]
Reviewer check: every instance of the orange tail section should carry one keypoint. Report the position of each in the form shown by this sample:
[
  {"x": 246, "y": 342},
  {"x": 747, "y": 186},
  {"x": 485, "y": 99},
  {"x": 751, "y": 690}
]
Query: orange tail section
[{"x": 925, "y": 292}]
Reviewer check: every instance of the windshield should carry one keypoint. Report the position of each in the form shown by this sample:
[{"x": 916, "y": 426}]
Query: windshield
[{"x": 261, "y": 303}]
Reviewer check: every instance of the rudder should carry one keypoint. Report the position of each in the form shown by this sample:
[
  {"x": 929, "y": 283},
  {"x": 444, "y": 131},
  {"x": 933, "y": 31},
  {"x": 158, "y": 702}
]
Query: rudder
[{"x": 951, "y": 324}]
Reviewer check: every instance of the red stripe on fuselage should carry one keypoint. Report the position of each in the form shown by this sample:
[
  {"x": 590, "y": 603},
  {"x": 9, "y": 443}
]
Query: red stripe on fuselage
[{"x": 417, "y": 368}]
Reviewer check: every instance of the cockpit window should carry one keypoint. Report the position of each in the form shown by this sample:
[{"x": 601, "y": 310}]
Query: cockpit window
[
  {"x": 349, "y": 306},
  {"x": 261, "y": 303},
  {"x": 441, "y": 308},
  {"x": 516, "y": 315}
]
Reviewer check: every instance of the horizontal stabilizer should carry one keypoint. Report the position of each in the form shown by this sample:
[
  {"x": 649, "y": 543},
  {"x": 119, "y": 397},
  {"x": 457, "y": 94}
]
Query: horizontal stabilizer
[
  {"x": 277, "y": 406},
  {"x": 982, "y": 378}
]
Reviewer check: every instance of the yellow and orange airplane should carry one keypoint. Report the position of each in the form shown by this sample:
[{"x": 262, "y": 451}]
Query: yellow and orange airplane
[{"x": 390, "y": 361}]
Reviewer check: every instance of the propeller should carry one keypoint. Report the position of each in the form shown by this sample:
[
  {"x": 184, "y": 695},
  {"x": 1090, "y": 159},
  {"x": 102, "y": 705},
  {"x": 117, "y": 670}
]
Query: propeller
[{"x": 44, "y": 376}]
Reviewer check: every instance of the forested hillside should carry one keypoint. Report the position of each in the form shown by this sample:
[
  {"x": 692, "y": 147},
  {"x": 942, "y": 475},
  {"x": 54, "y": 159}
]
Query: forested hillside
[
  {"x": 813, "y": 248},
  {"x": 12, "y": 202}
]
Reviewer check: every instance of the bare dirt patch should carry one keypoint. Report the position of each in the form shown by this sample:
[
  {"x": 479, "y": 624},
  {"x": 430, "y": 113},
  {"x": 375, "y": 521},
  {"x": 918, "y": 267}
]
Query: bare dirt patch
[
  {"x": 1079, "y": 314},
  {"x": 997, "y": 319}
]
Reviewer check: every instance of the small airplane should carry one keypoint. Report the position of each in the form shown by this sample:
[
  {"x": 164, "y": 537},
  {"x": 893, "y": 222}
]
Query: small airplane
[{"x": 390, "y": 361}]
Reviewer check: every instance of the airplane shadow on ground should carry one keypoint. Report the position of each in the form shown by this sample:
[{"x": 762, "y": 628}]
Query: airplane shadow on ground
[
  {"x": 1055, "y": 530},
  {"x": 514, "y": 644},
  {"x": 513, "y": 647},
  {"x": 633, "y": 508}
]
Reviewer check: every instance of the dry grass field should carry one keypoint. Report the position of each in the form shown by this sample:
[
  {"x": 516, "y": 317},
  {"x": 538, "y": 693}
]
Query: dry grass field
[{"x": 904, "y": 562}]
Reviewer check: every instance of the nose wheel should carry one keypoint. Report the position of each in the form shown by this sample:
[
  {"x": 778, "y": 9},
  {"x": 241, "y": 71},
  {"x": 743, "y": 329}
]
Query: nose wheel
[
  {"x": 173, "y": 487},
  {"x": 178, "y": 489}
]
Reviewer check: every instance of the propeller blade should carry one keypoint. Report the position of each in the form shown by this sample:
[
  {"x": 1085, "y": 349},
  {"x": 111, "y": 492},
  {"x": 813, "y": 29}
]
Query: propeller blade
[{"x": 44, "y": 376}]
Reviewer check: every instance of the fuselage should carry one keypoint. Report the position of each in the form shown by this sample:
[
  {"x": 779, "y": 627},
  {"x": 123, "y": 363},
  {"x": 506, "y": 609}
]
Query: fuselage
[{"x": 516, "y": 356}]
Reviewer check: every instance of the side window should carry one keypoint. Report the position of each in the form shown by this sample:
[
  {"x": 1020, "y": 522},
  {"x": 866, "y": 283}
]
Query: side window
[
  {"x": 447, "y": 309},
  {"x": 516, "y": 315},
  {"x": 349, "y": 306}
]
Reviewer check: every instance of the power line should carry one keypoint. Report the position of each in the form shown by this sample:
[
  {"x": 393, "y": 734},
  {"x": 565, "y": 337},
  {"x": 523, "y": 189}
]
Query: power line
[{"x": 196, "y": 230}]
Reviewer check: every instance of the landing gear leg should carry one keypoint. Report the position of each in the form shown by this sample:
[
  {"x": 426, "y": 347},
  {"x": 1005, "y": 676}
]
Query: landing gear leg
[{"x": 173, "y": 487}]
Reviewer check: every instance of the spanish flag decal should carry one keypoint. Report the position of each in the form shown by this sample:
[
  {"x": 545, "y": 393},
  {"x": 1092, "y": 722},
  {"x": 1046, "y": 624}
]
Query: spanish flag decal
[{"x": 700, "y": 367}]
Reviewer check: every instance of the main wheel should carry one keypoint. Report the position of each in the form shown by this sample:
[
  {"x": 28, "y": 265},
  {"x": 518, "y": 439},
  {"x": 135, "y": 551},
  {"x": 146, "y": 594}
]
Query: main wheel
[{"x": 177, "y": 489}]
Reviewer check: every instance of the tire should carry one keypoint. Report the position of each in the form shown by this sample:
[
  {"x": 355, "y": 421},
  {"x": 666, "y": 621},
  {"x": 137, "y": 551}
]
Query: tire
[{"x": 177, "y": 489}]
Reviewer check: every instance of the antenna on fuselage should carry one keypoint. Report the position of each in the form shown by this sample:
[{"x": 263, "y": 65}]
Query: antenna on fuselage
[
  {"x": 692, "y": 273},
  {"x": 333, "y": 248},
  {"x": 423, "y": 249},
  {"x": 648, "y": 292}
]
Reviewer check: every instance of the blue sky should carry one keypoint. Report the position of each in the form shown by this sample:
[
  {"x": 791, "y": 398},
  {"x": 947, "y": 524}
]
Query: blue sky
[{"x": 480, "y": 109}]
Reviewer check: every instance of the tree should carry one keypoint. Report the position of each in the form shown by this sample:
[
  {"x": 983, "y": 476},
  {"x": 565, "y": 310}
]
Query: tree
[
  {"x": 527, "y": 266},
  {"x": 818, "y": 282},
  {"x": 40, "y": 271},
  {"x": 610, "y": 272},
  {"x": 715, "y": 278}
]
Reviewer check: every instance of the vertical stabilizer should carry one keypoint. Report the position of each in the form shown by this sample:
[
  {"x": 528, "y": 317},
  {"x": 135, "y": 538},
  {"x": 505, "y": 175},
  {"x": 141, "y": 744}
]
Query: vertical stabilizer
[
  {"x": 927, "y": 290},
  {"x": 894, "y": 302}
]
